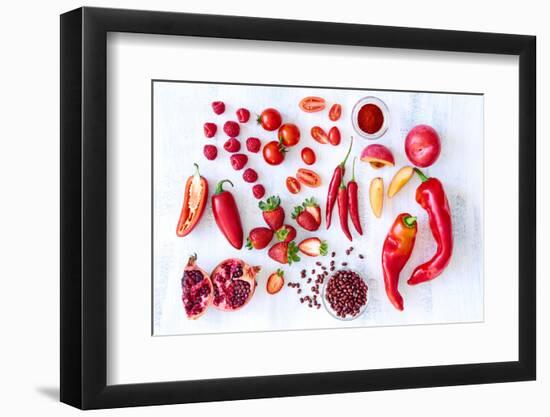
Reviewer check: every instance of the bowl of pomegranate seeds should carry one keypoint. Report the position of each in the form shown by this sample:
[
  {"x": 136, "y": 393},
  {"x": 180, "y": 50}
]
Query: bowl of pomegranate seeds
[{"x": 345, "y": 295}]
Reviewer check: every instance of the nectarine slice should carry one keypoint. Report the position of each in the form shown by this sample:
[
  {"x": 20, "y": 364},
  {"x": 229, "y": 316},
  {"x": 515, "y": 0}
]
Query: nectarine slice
[
  {"x": 399, "y": 180},
  {"x": 376, "y": 195}
]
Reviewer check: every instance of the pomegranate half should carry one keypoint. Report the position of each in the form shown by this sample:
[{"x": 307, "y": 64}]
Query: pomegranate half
[
  {"x": 234, "y": 284},
  {"x": 197, "y": 289}
]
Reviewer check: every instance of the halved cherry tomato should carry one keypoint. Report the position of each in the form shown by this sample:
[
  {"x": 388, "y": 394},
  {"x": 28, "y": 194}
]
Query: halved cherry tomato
[
  {"x": 308, "y": 156},
  {"x": 335, "y": 112},
  {"x": 312, "y": 104},
  {"x": 274, "y": 153},
  {"x": 334, "y": 136},
  {"x": 194, "y": 202},
  {"x": 289, "y": 134},
  {"x": 293, "y": 185},
  {"x": 270, "y": 119},
  {"x": 319, "y": 134},
  {"x": 308, "y": 177}
]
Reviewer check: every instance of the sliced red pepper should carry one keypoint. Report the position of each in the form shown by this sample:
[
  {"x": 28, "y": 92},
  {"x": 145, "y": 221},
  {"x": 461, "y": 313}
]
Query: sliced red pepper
[
  {"x": 396, "y": 252},
  {"x": 337, "y": 176},
  {"x": 353, "y": 203},
  {"x": 431, "y": 196},
  {"x": 194, "y": 202},
  {"x": 227, "y": 215}
]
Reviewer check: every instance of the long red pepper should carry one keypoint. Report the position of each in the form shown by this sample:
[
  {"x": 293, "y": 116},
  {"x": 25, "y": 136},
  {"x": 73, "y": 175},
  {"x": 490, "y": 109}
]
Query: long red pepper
[
  {"x": 353, "y": 203},
  {"x": 227, "y": 215},
  {"x": 335, "y": 184},
  {"x": 431, "y": 196},
  {"x": 343, "y": 209},
  {"x": 396, "y": 252}
]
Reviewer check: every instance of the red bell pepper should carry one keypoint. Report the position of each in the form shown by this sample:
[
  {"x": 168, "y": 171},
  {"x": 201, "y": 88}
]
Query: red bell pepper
[
  {"x": 334, "y": 185},
  {"x": 396, "y": 252},
  {"x": 227, "y": 215},
  {"x": 194, "y": 202},
  {"x": 353, "y": 202},
  {"x": 431, "y": 196}
]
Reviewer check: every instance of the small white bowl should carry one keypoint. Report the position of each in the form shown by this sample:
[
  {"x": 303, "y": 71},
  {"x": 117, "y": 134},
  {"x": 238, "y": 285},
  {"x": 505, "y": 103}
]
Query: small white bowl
[
  {"x": 385, "y": 112},
  {"x": 329, "y": 309}
]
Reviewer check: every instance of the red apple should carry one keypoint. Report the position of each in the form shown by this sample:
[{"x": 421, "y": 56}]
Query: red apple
[
  {"x": 422, "y": 146},
  {"x": 377, "y": 155}
]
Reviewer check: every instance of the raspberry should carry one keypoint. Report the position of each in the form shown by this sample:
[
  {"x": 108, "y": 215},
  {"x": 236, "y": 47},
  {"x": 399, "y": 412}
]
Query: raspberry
[
  {"x": 210, "y": 129},
  {"x": 232, "y": 145},
  {"x": 258, "y": 190},
  {"x": 253, "y": 145},
  {"x": 210, "y": 152},
  {"x": 238, "y": 161},
  {"x": 231, "y": 128},
  {"x": 243, "y": 115},
  {"x": 218, "y": 107},
  {"x": 249, "y": 175}
]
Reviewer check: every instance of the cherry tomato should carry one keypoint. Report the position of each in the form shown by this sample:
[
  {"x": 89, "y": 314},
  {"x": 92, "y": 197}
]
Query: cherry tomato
[
  {"x": 289, "y": 134},
  {"x": 274, "y": 153},
  {"x": 293, "y": 185},
  {"x": 312, "y": 104},
  {"x": 308, "y": 177},
  {"x": 335, "y": 112},
  {"x": 308, "y": 156},
  {"x": 270, "y": 119},
  {"x": 334, "y": 136},
  {"x": 319, "y": 134}
]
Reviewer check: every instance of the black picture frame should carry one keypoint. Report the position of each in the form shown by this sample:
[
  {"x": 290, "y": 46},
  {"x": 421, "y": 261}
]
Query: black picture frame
[{"x": 84, "y": 207}]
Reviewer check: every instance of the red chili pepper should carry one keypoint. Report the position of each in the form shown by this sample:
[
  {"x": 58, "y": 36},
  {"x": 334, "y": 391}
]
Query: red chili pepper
[
  {"x": 353, "y": 203},
  {"x": 194, "y": 202},
  {"x": 343, "y": 209},
  {"x": 335, "y": 184},
  {"x": 396, "y": 252},
  {"x": 227, "y": 215},
  {"x": 431, "y": 196}
]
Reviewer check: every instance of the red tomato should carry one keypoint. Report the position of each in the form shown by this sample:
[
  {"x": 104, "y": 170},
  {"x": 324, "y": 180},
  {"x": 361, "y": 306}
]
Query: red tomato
[
  {"x": 274, "y": 153},
  {"x": 334, "y": 136},
  {"x": 335, "y": 112},
  {"x": 308, "y": 177},
  {"x": 319, "y": 134},
  {"x": 293, "y": 185},
  {"x": 312, "y": 104},
  {"x": 308, "y": 156},
  {"x": 289, "y": 134},
  {"x": 270, "y": 119}
]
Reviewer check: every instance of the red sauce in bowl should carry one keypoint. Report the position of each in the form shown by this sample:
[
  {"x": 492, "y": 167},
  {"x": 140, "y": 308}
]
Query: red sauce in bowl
[{"x": 370, "y": 118}]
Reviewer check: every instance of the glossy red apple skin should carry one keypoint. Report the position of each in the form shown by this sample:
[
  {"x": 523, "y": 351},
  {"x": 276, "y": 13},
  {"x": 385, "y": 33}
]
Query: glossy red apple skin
[{"x": 422, "y": 146}]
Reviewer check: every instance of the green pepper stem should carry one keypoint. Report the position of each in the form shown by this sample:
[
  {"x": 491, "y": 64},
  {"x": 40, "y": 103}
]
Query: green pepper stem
[
  {"x": 422, "y": 176},
  {"x": 219, "y": 187},
  {"x": 343, "y": 163},
  {"x": 409, "y": 221},
  {"x": 342, "y": 184},
  {"x": 197, "y": 169},
  {"x": 353, "y": 170}
]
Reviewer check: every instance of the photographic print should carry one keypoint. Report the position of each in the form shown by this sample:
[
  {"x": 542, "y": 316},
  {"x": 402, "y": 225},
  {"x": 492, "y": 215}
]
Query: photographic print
[{"x": 294, "y": 207}]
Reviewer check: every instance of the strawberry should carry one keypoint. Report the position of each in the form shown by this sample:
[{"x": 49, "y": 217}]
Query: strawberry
[
  {"x": 218, "y": 107},
  {"x": 284, "y": 252},
  {"x": 258, "y": 191},
  {"x": 243, "y": 115},
  {"x": 275, "y": 282},
  {"x": 210, "y": 152},
  {"x": 305, "y": 219},
  {"x": 273, "y": 213},
  {"x": 249, "y": 175},
  {"x": 311, "y": 206},
  {"x": 232, "y": 145},
  {"x": 253, "y": 145},
  {"x": 238, "y": 161},
  {"x": 285, "y": 233},
  {"x": 231, "y": 128},
  {"x": 210, "y": 129},
  {"x": 313, "y": 246},
  {"x": 259, "y": 238}
]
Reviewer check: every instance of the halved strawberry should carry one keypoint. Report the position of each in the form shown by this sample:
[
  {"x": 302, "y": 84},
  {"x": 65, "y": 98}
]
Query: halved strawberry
[
  {"x": 305, "y": 219},
  {"x": 273, "y": 213},
  {"x": 311, "y": 206},
  {"x": 284, "y": 252},
  {"x": 313, "y": 246},
  {"x": 275, "y": 282},
  {"x": 286, "y": 233},
  {"x": 259, "y": 238}
]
